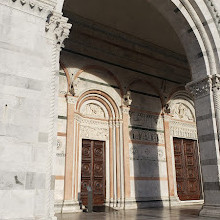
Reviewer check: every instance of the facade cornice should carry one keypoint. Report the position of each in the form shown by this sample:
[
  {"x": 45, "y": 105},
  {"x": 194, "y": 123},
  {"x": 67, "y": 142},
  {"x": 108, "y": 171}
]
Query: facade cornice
[{"x": 38, "y": 8}]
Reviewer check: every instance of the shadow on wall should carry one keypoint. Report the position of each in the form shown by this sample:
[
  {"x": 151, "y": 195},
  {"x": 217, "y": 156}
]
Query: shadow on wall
[{"x": 148, "y": 173}]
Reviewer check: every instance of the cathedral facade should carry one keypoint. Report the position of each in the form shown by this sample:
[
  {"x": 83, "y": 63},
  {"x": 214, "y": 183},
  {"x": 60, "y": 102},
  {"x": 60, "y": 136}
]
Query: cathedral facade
[{"x": 121, "y": 98}]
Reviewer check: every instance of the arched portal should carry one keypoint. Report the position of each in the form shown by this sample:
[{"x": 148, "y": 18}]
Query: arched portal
[{"x": 165, "y": 67}]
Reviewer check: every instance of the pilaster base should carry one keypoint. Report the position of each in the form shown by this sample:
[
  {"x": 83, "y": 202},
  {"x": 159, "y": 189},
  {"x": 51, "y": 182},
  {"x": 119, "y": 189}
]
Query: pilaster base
[
  {"x": 210, "y": 211},
  {"x": 117, "y": 205},
  {"x": 69, "y": 206}
]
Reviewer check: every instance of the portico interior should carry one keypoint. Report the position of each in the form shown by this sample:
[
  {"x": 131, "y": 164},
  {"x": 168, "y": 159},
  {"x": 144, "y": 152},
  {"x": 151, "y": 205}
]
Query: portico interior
[{"x": 122, "y": 82}]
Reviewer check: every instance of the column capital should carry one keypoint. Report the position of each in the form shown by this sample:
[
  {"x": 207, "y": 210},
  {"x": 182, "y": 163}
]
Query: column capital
[
  {"x": 200, "y": 88},
  {"x": 57, "y": 28},
  {"x": 125, "y": 109},
  {"x": 71, "y": 99}
]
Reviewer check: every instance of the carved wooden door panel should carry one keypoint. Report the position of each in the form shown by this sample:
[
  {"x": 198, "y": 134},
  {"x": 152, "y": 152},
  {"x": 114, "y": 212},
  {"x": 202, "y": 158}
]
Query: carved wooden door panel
[
  {"x": 93, "y": 171},
  {"x": 187, "y": 169}
]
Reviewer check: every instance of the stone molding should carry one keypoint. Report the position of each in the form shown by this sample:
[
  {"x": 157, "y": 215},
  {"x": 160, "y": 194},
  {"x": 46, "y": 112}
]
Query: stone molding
[
  {"x": 183, "y": 130},
  {"x": 214, "y": 12},
  {"x": 57, "y": 28}
]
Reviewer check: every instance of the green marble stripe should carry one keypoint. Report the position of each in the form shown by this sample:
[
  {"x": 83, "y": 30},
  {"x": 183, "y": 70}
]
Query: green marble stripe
[
  {"x": 120, "y": 66},
  {"x": 74, "y": 19},
  {"x": 99, "y": 83},
  {"x": 145, "y": 129},
  {"x": 143, "y": 93},
  {"x": 62, "y": 117}
]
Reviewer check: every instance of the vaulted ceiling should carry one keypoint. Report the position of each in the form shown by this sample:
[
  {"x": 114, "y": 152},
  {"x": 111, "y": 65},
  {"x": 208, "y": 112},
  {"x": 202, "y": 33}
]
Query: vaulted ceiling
[{"x": 135, "y": 17}]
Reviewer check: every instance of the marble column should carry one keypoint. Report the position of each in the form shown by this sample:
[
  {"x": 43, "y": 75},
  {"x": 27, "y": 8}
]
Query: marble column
[
  {"x": 207, "y": 119},
  {"x": 216, "y": 97},
  {"x": 69, "y": 204},
  {"x": 169, "y": 156},
  {"x": 125, "y": 116}
]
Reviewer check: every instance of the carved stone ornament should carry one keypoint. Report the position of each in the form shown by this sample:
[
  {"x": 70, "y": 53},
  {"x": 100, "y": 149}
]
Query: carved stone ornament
[
  {"x": 34, "y": 7},
  {"x": 200, "y": 88},
  {"x": 182, "y": 112},
  {"x": 57, "y": 27},
  {"x": 93, "y": 110},
  {"x": 215, "y": 13},
  {"x": 183, "y": 130},
  {"x": 216, "y": 82},
  {"x": 127, "y": 99},
  {"x": 92, "y": 132}
]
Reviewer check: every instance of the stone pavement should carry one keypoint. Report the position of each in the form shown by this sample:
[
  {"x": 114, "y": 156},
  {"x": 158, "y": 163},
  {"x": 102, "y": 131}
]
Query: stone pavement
[{"x": 175, "y": 213}]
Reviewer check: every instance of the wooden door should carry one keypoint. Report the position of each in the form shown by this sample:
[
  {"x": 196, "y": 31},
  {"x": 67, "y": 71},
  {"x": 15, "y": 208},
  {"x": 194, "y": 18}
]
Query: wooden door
[
  {"x": 93, "y": 171},
  {"x": 187, "y": 169}
]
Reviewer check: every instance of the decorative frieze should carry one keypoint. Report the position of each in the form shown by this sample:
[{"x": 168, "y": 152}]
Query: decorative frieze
[
  {"x": 91, "y": 122},
  {"x": 183, "y": 130},
  {"x": 146, "y": 120},
  {"x": 146, "y": 135},
  {"x": 94, "y": 133},
  {"x": 200, "y": 88}
]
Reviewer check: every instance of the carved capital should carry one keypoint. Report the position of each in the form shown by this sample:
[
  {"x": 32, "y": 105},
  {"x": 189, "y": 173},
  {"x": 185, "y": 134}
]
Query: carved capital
[
  {"x": 200, "y": 88},
  {"x": 127, "y": 99},
  {"x": 125, "y": 109},
  {"x": 71, "y": 99},
  {"x": 57, "y": 28}
]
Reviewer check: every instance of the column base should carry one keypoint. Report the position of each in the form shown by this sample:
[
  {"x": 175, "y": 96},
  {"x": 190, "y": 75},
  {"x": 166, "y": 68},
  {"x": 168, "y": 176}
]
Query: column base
[
  {"x": 175, "y": 201},
  {"x": 210, "y": 211},
  {"x": 69, "y": 206},
  {"x": 117, "y": 205}
]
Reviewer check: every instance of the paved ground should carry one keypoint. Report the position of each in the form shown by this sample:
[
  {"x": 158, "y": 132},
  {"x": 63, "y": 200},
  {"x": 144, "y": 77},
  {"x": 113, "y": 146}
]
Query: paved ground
[{"x": 176, "y": 213}]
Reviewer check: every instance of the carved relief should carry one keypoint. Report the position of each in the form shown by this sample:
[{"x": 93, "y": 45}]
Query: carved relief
[
  {"x": 94, "y": 133},
  {"x": 91, "y": 122},
  {"x": 145, "y": 135},
  {"x": 145, "y": 120},
  {"x": 182, "y": 112},
  {"x": 183, "y": 130},
  {"x": 93, "y": 110}
]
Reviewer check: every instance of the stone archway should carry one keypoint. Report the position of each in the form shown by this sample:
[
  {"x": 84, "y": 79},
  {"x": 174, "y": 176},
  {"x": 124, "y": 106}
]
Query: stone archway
[{"x": 200, "y": 43}]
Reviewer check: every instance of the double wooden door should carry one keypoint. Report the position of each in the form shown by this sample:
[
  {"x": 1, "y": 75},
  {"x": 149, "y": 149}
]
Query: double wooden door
[
  {"x": 187, "y": 169},
  {"x": 93, "y": 171}
]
